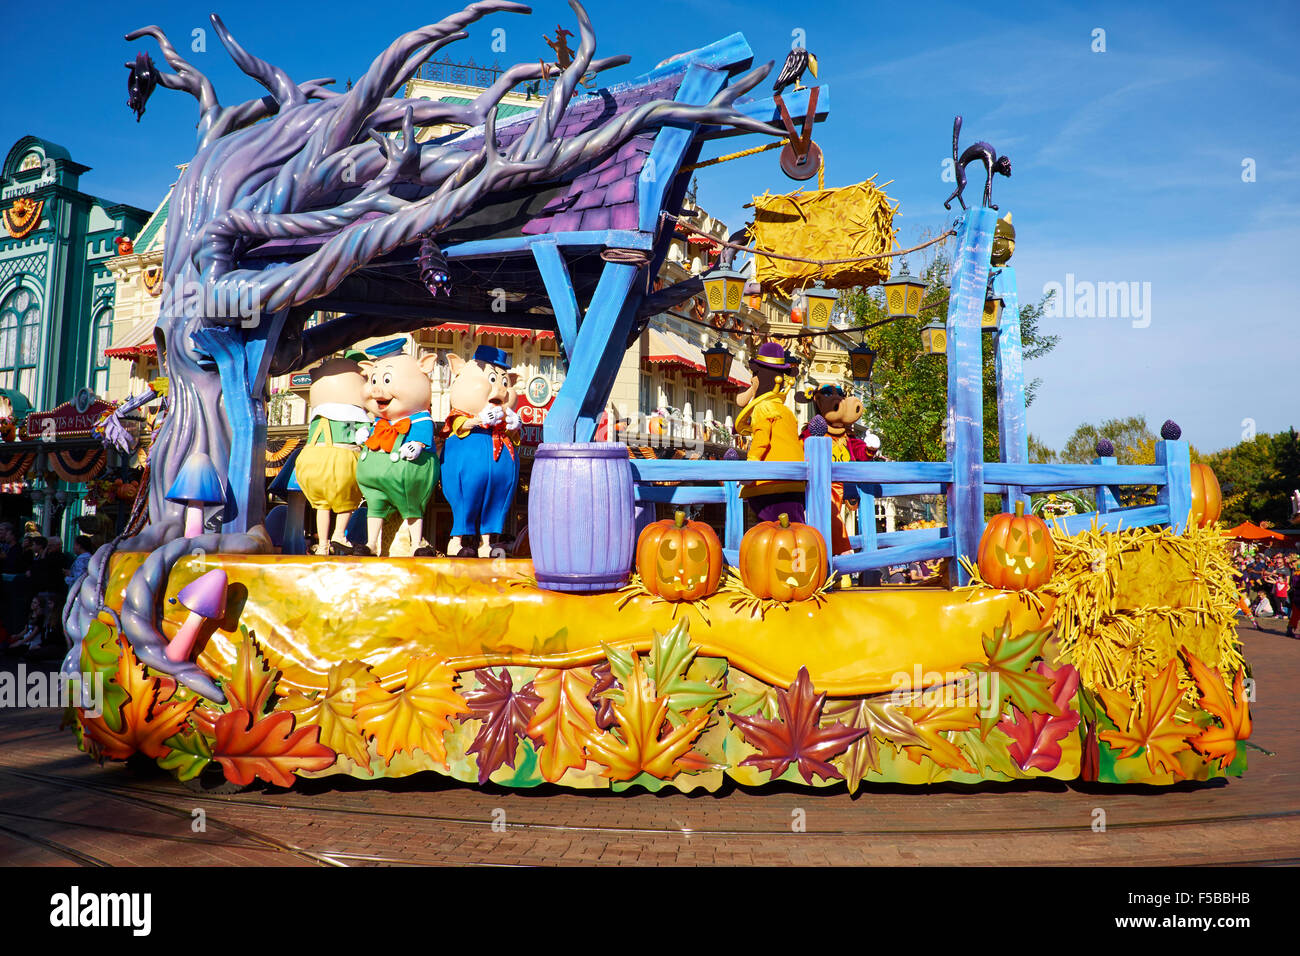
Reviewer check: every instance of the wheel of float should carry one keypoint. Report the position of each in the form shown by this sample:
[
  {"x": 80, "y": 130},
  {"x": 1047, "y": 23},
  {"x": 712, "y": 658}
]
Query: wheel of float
[{"x": 212, "y": 782}]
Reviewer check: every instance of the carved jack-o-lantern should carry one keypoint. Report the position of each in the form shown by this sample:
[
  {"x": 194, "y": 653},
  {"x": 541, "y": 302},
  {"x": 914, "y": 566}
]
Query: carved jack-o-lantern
[
  {"x": 679, "y": 560},
  {"x": 1207, "y": 500},
  {"x": 1016, "y": 552},
  {"x": 783, "y": 561}
]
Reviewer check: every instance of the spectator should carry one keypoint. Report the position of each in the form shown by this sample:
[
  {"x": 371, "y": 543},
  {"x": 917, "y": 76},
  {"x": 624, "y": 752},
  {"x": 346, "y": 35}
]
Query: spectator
[
  {"x": 82, "y": 548},
  {"x": 1293, "y": 593}
]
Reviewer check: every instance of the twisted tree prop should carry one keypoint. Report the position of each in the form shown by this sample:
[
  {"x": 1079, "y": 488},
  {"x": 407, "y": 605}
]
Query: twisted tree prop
[{"x": 308, "y": 161}]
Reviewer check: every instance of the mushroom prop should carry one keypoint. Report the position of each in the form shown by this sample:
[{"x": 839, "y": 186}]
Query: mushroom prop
[
  {"x": 198, "y": 484},
  {"x": 205, "y": 599}
]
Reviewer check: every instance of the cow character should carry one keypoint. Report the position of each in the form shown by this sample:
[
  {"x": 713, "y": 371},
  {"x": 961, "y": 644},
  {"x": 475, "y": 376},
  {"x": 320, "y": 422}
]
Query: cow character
[{"x": 837, "y": 413}]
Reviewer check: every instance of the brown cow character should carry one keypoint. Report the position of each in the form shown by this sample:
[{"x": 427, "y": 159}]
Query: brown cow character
[{"x": 837, "y": 413}]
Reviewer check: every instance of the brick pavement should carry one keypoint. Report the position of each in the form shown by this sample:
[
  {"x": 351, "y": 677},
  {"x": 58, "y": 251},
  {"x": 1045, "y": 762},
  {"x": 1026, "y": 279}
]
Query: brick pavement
[{"x": 117, "y": 816}]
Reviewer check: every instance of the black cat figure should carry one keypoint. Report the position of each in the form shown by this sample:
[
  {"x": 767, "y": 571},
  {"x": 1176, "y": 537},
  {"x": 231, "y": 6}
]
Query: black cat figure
[
  {"x": 140, "y": 83},
  {"x": 993, "y": 163}
]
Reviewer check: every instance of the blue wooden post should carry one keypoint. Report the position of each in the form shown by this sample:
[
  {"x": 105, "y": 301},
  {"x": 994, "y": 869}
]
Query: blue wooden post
[
  {"x": 1106, "y": 500},
  {"x": 295, "y": 533},
  {"x": 559, "y": 287},
  {"x": 1013, "y": 435},
  {"x": 966, "y": 384},
  {"x": 1176, "y": 458},
  {"x": 817, "y": 493},
  {"x": 645, "y": 516},
  {"x": 734, "y": 529},
  {"x": 867, "y": 521}
]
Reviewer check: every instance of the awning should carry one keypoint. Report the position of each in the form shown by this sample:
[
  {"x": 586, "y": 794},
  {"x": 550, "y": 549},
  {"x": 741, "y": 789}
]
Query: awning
[
  {"x": 448, "y": 327},
  {"x": 669, "y": 348},
  {"x": 137, "y": 342},
  {"x": 1253, "y": 532},
  {"x": 517, "y": 333}
]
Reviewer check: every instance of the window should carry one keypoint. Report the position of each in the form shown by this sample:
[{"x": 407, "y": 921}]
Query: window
[
  {"x": 100, "y": 338},
  {"x": 550, "y": 366},
  {"x": 20, "y": 339},
  {"x": 648, "y": 394}
]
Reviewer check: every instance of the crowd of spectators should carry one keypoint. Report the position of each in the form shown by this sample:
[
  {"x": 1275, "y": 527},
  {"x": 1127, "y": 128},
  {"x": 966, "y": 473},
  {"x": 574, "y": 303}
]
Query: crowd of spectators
[
  {"x": 35, "y": 575},
  {"x": 1270, "y": 585}
]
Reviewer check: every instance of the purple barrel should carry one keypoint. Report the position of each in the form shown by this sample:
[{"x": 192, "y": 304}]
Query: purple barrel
[{"x": 581, "y": 516}]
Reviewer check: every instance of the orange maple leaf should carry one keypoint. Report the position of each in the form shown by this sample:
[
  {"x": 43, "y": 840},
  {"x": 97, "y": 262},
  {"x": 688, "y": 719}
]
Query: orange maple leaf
[
  {"x": 1154, "y": 726},
  {"x": 414, "y": 717},
  {"x": 149, "y": 715},
  {"x": 332, "y": 710},
  {"x": 930, "y": 722},
  {"x": 269, "y": 748},
  {"x": 564, "y": 720},
  {"x": 1230, "y": 708},
  {"x": 251, "y": 680},
  {"x": 641, "y": 714}
]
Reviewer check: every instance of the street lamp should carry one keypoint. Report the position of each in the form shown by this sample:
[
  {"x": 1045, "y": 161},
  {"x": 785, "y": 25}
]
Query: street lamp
[
  {"x": 820, "y": 304},
  {"x": 861, "y": 360},
  {"x": 723, "y": 289},
  {"x": 903, "y": 294},
  {"x": 934, "y": 338},
  {"x": 717, "y": 363}
]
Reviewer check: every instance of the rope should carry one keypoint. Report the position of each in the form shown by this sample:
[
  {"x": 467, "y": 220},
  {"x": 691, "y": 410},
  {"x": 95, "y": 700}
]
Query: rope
[
  {"x": 815, "y": 262},
  {"x": 744, "y": 152}
]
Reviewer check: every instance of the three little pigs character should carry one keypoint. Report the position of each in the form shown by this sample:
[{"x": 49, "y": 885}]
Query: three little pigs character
[
  {"x": 838, "y": 413},
  {"x": 398, "y": 469},
  {"x": 327, "y": 465},
  {"x": 772, "y": 433},
  {"x": 480, "y": 461}
]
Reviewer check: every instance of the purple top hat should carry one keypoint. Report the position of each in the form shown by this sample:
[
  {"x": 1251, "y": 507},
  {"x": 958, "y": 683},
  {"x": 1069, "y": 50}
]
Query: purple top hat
[{"x": 771, "y": 356}]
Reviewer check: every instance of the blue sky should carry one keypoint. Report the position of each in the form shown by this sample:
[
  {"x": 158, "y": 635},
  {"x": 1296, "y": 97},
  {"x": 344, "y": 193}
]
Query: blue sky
[{"x": 1127, "y": 164}]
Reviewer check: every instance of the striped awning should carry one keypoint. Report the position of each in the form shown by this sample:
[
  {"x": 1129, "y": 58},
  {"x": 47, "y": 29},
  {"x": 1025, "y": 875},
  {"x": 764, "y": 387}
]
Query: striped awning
[
  {"x": 137, "y": 342},
  {"x": 668, "y": 348}
]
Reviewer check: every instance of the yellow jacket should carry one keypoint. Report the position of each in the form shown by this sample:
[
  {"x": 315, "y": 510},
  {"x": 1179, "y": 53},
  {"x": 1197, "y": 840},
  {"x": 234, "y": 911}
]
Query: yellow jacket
[{"x": 773, "y": 436}]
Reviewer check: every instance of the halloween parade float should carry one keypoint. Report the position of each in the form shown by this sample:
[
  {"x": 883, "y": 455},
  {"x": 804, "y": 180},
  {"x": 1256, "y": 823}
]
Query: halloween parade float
[{"x": 634, "y": 646}]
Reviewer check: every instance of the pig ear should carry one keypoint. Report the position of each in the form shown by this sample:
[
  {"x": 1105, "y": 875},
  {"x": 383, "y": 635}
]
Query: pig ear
[
  {"x": 366, "y": 366},
  {"x": 428, "y": 363},
  {"x": 456, "y": 362},
  {"x": 512, "y": 378}
]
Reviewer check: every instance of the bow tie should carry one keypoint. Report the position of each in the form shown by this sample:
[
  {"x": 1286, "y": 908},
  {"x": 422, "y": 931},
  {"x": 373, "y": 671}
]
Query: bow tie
[{"x": 385, "y": 434}]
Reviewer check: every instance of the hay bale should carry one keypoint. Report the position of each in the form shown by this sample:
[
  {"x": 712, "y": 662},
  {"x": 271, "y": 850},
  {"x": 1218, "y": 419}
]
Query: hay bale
[{"x": 855, "y": 220}]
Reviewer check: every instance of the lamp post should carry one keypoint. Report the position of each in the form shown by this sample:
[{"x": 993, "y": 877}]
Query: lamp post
[
  {"x": 723, "y": 289},
  {"x": 904, "y": 294},
  {"x": 820, "y": 304},
  {"x": 717, "y": 363},
  {"x": 862, "y": 358},
  {"x": 934, "y": 338}
]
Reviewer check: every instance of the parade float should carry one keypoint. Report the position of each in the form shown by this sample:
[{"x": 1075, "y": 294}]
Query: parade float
[{"x": 627, "y": 651}]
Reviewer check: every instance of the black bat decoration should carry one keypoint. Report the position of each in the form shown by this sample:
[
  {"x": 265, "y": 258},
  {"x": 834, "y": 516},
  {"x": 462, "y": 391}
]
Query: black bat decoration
[
  {"x": 434, "y": 272},
  {"x": 140, "y": 83}
]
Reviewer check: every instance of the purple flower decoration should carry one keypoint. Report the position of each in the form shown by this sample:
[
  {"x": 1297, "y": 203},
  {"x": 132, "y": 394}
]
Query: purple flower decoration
[
  {"x": 1170, "y": 431},
  {"x": 1105, "y": 448}
]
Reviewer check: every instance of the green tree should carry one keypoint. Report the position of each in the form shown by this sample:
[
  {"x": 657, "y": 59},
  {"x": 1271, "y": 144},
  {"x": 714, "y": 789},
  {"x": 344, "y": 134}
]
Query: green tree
[
  {"x": 1039, "y": 452},
  {"x": 1128, "y": 435},
  {"x": 1246, "y": 472},
  {"x": 907, "y": 401}
]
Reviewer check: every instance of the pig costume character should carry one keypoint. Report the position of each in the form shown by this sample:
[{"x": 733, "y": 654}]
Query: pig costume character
[
  {"x": 480, "y": 457},
  {"x": 772, "y": 432},
  {"x": 398, "y": 469},
  {"x": 326, "y": 468},
  {"x": 839, "y": 412}
]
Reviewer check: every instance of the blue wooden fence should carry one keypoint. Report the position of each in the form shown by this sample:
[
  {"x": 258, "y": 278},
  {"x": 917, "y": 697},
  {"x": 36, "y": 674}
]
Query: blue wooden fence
[{"x": 719, "y": 482}]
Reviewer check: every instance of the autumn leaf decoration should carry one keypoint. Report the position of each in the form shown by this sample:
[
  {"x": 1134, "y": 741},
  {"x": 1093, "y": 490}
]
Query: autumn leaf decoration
[
  {"x": 415, "y": 716},
  {"x": 506, "y": 714},
  {"x": 563, "y": 720},
  {"x": 332, "y": 710},
  {"x": 671, "y": 655},
  {"x": 251, "y": 681},
  {"x": 644, "y": 743},
  {"x": 1011, "y": 675},
  {"x": 1231, "y": 708},
  {"x": 884, "y": 720},
  {"x": 796, "y": 737},
  {"x": 1036, "y": 738},
  {"x": 931, "y": 721},
  {"x": 1153, "y": 726},
  {"x": 269, "y": 748},
  {"x": 148, "y": 714}
]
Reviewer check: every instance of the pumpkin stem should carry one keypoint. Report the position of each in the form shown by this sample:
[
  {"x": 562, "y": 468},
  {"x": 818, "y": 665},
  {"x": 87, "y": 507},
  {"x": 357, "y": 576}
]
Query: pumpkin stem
[
  {"x": 784, "y": 520},
  {"x": 1020, "y": 509},
  {"x": 679, "y": 519}
]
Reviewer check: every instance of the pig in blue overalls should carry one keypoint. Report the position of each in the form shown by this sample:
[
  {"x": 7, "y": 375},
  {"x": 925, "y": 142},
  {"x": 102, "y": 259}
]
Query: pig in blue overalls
[{"x": 480, "y": 467}]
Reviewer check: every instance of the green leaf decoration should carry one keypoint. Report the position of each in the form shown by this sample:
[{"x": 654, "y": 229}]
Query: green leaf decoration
[
  {"x": 190, "y": 753},
  {"x": 671, "y": 656},
  {"x": 557, "y": 643},
  {"x": 1011, "y": 664},
  {"x": 990, "y": 752},
  {"x": 99, "y": 653}
]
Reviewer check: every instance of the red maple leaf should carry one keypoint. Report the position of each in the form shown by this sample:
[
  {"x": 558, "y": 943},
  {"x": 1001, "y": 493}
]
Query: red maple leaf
[
  {"x": 506, "y": 715},
  {"x": 796, "y": 738},
  {"x": 270, "y": 748},
  {"x": 1036, "y": 738}
]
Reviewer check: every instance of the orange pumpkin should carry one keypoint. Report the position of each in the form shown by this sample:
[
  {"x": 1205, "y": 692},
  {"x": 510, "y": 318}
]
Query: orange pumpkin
[
  {"x": 1016, "y": 552},
  {"x": 1207, "y": 500},
  {"x": 679, "y": 560},
  {"x": 783, "y": 561}
]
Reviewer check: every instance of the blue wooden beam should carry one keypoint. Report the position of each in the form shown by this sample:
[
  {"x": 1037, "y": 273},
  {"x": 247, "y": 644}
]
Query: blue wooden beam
[
  {"x": 1140, "y": 517},
  {"x": 700, "y": 85},
  {"x": 817, "y": 493},
  {"x": 559, "y": 286},
  {"x": 1013, "y": 434},
  {"x": 966, "y": 384},
  {"x": 730, "y": 54},
  {"x": 1073, "y": 476},
  {"x": 1106, "y": 495},
  {"x": 734, "y": 529},
  {"x": 767, "y": 111},
  {"x": 1176, "y": 494},
  {"x": 682, "y": 494},
  {"x": 602, "y": 239},
  {"x": 866, "y": 561}
]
